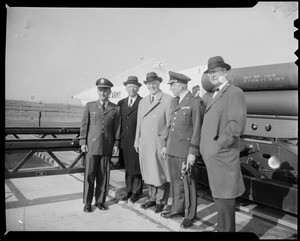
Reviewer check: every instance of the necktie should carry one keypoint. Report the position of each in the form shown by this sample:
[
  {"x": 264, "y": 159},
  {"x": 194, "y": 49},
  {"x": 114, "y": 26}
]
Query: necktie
[
  {"x": 152, "y": 99},
  {"x": 215, "y": 90},
  {"x": 177, "y": 100},
  {"x": 130, "y": 103},
  {"x": 103, "y": 106}
]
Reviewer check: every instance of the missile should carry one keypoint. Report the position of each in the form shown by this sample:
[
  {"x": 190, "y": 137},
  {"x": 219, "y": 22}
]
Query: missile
[{"x": 282, "y": 76}]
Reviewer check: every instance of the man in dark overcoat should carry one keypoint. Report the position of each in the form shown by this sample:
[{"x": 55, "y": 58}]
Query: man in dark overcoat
[
  {"x": 181, "y": 148},
  {"x": 99, "y": 139},
  {"x": 129, "y": 110},
  {"x": 223, "y": 124}
]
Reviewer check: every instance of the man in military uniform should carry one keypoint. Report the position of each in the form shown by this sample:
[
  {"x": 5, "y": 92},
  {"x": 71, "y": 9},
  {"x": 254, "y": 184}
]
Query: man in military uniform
[
  {"x": 182, "y": 147},
  {"x": 196, "y": 91},
  {"x": 99, "y": 139}
]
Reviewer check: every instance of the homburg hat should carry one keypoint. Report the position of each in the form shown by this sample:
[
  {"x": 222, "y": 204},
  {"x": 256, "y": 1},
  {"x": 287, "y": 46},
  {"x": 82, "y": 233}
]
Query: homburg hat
[
  {"x": 216, "y": 61},
  {"x": 132, "y": 80},
  {"x": 151, "y": 77}
]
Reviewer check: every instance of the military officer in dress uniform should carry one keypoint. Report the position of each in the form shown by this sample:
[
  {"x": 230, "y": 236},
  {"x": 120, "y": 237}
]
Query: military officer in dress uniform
[
  {"x": 99, "y": 139},
  {"x": 129, "y": 110},
  {"x": 182, "y": 147}
]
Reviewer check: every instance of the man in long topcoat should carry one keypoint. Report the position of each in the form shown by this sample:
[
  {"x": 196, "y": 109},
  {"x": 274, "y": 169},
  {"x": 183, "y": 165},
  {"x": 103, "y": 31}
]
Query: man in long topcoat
[
  {"x": 182, "y": 148},
  {"x": 99, "y": 139},
  {"x": 129, "y": 110},
  {"x": 153, "y": 117},
  {"x": 223, "y": 124}
]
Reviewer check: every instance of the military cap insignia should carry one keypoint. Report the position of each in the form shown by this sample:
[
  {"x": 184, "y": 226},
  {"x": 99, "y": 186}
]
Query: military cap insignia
[{"x": 102, "y": 81}]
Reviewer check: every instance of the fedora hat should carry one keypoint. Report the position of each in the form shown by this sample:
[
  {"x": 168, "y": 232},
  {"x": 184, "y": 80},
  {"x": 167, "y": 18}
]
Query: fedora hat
[
  {"x": 132, "y": 80},
  {"x": 152, "y": 76},
  {"x": 216, "y": 61}
]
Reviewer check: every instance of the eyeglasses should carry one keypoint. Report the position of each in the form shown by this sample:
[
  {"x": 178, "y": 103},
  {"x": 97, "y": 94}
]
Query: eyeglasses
[{"x": 215, "y": 72}]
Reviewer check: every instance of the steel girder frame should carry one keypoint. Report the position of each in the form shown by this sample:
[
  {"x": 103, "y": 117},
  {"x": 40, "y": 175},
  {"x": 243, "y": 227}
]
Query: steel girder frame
[
  {"x": 45, "y": 145},
  {"x": 41, "y": 131}
]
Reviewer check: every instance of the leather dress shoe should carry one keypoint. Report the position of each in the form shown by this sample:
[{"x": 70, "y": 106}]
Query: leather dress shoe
[
  {"x": 171, "y": 214},
  {"x": 87, "y": 208},
  {"x": 186, "y": 223},
  {"x": 148, "y": 204},
  {"x": 135, "y": 197},
  {"x": 159, "y": 208},
  {"x": 126, "y": 197},
  {"x": 101, "y": 206}
]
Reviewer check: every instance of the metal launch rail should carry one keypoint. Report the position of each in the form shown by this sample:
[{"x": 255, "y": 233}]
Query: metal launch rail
[{"x": 41, "y": 144}]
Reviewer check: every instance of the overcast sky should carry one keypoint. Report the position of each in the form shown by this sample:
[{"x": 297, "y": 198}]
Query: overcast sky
[{"x": 54, "y": 53}]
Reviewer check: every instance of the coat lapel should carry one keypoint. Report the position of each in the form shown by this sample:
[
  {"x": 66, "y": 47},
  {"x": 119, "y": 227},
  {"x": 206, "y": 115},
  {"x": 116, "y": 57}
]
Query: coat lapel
[
  {"x": 109, "y": 107},
  {"x": 134, "y": 106},
  {"x": 217, "y": 97},
  {"x": 185, "y": 101},
  {"x": 155, "y": 103}
]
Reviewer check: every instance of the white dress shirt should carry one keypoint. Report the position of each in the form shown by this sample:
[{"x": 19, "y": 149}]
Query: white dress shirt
[
  {"x": 182, "y": 95},
  {"x": 220, "y": 87},
  {"x": 131, "y": 99}
]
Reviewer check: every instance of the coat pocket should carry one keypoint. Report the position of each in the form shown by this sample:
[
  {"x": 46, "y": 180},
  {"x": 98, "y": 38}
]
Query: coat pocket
[
  {"x": 93, "y": 117},
  {"x": 226, "y": 141},
  {"x": 184, "y": 116}
]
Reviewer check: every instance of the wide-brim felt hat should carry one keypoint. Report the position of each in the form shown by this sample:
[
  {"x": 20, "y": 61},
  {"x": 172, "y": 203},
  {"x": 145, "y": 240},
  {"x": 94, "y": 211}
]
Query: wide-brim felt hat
[
  {"x": 132, "y": 80},
  {"x": 104, "y": 83},
  {"x": 151, "y": 77},
  {"x": 216, "y": 61}
]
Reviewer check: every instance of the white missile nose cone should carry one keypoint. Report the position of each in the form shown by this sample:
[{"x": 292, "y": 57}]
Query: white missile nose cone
[{"x": 273, "y": 162}]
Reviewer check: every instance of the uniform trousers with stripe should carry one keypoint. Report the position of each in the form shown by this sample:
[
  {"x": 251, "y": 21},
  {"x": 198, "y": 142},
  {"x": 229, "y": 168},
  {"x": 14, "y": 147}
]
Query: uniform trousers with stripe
[
  {"x": 97, "y": 171},
  {"x": 184, "y": 191}
]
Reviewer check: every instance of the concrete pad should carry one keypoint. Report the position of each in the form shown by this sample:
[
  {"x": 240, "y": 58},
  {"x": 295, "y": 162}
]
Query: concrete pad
[{"x": 54, "y": 203}]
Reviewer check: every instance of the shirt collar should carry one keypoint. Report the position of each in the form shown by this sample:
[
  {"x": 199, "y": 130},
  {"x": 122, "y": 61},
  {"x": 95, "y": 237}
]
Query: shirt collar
[
  {"x": 101, "y": 103},
  {"x": 222, "y": 85},
  {"x": 132, "y": 98},
  {"x": 183, "y": 95}
]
